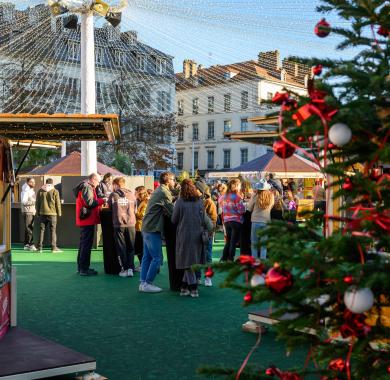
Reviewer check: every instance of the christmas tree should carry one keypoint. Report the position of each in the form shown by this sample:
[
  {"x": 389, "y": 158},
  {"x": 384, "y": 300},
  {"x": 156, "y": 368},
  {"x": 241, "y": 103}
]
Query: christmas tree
[{"x": 331, "y": 275}]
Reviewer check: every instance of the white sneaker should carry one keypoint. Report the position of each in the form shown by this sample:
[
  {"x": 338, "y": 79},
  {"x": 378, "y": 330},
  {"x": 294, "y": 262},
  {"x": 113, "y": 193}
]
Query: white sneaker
[
  {"x": 199, "y": 281},
  {"x": 130, "y": 273},
  {"x": 33, "y": 248},
  {"x": 150, "y": 288},
  {"x": 208, "y": 282},
  {"x": 141, "y": 286},
  {"x": 123, "y": 273},
  {"x": 26, "y": 247}
]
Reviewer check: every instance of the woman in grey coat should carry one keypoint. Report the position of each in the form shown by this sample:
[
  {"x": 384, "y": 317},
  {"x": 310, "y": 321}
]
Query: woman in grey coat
[{"x": 188, "y": 214}]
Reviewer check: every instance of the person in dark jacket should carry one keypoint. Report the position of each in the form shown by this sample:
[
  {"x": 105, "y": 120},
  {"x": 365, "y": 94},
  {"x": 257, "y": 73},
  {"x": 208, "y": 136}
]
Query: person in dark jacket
[
  {"x": 188, "y": 215},
  {"x": 48, "y": 207},
  {"x": 87, "y": 216},
  {"x": 104, "y": 188},
  {"x": 123, "y": 204}
]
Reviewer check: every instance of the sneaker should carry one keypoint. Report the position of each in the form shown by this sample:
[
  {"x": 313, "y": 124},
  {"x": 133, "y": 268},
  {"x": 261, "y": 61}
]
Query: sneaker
[
  {"x": 150, "y": 288},
  {"x": 123, "y": 273},
  {"x": 208, "y": 282},
  {"x": 199, "y": 281},
  {"x": 130, "y": 273},
  {"x": 184, "y": 292},
  {"x": 40, "y": 250},
  {"x": 194, "y": 294},
  {"x": 141, "y": 286},
  {"x": 26, "y": 247},
  {"x": 89, "y": 272},
  {"x": 33, "y": 248},
  {"x": 56, "y": 249}
]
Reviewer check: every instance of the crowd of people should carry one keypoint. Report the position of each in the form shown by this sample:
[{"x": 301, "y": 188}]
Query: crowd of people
[{"x": 183, "y": 216}]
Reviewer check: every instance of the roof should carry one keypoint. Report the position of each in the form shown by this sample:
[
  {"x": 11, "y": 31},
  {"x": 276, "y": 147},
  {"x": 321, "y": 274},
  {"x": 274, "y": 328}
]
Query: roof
[
  {"x": 70, "y": 165},
  {"x": 215, "y": 75},
  {"x": 58, "y": 127},
  {"x": 270, "y": 162}
]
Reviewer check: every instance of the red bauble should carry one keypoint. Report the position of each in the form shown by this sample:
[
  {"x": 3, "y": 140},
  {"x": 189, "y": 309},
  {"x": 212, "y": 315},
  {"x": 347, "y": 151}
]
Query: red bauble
[
  {"x": 279, "y": 280},
  {"x": 322, "y": 28},
  {"x": 317, "y": 70},
  {"x": 337, "y": 365},
  {"x": 376, "y": 173},
  {"x": 382, "y": 31},
  {"x": 269, "y": 372},
  {"x": 388, "y": 369},
  {"x": 246, "y": 260},
  {"x": 248, "y": 297},
  {"x": 348, "y": 279},
  {"x": 280, "y": 97},
  {"x": 209, "y": 272},
  {"x": 301, "y": 139},
  {"x": 283, "y": 149},
  {"x": 347, "y": 185}
]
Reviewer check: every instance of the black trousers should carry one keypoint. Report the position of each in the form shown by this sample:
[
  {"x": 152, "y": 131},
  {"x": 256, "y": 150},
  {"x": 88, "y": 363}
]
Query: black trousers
[
  {"x": 233, "y": 235},
  {"x": 28, "y": 228},
  {"x": 139, "y": 245},
  {"x": 320, "y": 206},
  {"x": 51, "y": 222},
  {"x": 85, "y": 247},
  {"x": 245, "y": 240},
  {"x": 124, "y": 247}
]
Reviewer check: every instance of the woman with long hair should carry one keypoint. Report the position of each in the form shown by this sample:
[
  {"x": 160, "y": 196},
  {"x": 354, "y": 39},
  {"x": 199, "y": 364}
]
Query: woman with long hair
[
  {"x": 188, "y": 215},
  {"x": 260, "y": 204},
  {"x": 233, "y": 210},
  {"x": 142, "y": 202}
]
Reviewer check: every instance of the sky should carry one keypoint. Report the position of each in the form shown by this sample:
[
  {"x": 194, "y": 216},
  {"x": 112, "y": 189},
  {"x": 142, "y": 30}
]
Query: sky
[{"x": 226, "y": 31}]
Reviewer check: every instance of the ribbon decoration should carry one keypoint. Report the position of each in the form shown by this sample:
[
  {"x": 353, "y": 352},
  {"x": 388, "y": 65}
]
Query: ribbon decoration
[
  {"x": 273, "y": 371},
  {"x": 369, "y": 214}
]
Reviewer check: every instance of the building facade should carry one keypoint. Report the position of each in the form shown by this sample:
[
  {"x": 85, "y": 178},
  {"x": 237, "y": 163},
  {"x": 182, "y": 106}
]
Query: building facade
[
  {"x": 133, "y": 79},
  {"x": 219, "y": 99}
]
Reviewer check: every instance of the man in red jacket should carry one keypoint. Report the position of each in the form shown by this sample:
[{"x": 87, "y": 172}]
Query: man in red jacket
[{"x": 87, "y": 216}]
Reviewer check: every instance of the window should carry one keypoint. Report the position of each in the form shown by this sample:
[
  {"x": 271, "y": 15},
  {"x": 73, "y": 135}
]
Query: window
[
  {"x": 180, "y": 107},
  {"x": 244, "y": 155},
  {"x": 139, "y": 132},
  {"x": 164, "y": 101},
  {"x": 163, "y": 66},
  {"x": 180, "y": 159},
  {"x": 244, "y": 124},
  {"x": 99, "y": 55},
  {"x": 195, "y": 131},
  {"x": 210, "y": 130},
  {"x": 195, "y": 106},
  {"x": 180, "y": 134},
  {"x": 142, "y": 98},
  {"x": 226, "y": 158},
  {"x": 196, "y": 160},
  {"x": 269, "y": 96},
  {"x": 141, "y": 62},
  {"x": 244, "y": 100},
  {"x": 73, "y": 51},
  {"x": 227, "y": 125},
  {"x": 119, "y": 58},
  {"x": 72, "y": 85},
  {"x": 158, "y": 65},
  {"x": 210, "y": 159},
  {"x": 99, "y": 91},
  {"x": 227, "y": 102},
  {"x": 210, "y": 104}
]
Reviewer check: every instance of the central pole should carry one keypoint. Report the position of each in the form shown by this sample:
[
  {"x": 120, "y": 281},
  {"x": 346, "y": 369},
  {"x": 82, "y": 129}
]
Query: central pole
[
  {"x": 88, "y": 93},
  {"x": 193, "y": 159}
]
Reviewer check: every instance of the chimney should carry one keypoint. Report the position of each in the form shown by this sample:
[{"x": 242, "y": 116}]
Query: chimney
[
  {"x": 269, "y": 60},
  {"x": 190, "y": 68}
]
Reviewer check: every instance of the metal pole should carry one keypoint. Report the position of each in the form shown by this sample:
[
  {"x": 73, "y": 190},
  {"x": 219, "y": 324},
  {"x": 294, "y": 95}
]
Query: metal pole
[
  {"x": 63, "y": 149},
  {"x": 88, "y": 93},
  {"x": 193, "y": 158}
]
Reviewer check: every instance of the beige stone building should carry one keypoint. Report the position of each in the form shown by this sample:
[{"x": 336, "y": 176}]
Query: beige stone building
[{"x": 218, "y": 99}]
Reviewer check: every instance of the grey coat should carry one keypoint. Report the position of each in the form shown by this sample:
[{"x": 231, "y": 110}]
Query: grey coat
[{"x": 189, "y": 246}]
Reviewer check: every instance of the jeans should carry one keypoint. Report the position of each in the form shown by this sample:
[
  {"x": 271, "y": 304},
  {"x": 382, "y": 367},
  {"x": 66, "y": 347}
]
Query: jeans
[
  {"x": 256, "y": 227},
  {"x": 85, "y": 246},
  {"x": 28, "y": 229},
  {"x": 124, "y": 247},
  {"x": 51, "y": 221},
  {"x": 209, "y": 255},
  {"x": 151, "y": 259},
  {"x": 233, "y": 235}
]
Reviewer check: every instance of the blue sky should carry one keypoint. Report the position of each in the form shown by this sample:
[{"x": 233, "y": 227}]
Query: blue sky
[{"x": 227, "y": 31}]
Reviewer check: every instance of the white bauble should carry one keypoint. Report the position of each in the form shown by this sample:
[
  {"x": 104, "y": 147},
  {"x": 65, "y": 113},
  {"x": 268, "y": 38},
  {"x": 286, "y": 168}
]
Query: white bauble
[
  {"x": 340, "y": 134},
  {"x": 257, "y": 280},
  {"x": 358, "y": 300}
]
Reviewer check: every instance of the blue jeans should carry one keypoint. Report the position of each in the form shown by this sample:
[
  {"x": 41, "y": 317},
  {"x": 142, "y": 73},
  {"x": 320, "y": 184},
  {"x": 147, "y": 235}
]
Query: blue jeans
[
  {"x": 209, "y": 255},
  {"x": 255, "y": 241},
  {"x": 151, "y": 259}
]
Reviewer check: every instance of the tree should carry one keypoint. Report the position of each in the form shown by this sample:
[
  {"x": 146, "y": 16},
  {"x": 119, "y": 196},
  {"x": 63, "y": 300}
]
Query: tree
[{"x": 331, "y": 274}]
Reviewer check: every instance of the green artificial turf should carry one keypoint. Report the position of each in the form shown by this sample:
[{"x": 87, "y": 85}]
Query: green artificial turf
[{"x": 134, "y": 335}]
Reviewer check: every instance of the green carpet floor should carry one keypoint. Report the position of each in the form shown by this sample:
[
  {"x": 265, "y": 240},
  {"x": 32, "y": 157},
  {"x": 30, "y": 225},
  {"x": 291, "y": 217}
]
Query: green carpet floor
[{"x": 136, "y": 336}]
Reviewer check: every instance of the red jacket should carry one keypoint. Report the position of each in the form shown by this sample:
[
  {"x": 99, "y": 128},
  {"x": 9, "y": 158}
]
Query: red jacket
[{"x": 87, "y": 197}]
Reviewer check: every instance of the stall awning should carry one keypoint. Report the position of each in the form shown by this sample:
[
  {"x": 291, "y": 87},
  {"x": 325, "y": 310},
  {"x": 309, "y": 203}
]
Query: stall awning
[
  {"x": 58, "y": 127},
  {"x": 254, "y": 137}
]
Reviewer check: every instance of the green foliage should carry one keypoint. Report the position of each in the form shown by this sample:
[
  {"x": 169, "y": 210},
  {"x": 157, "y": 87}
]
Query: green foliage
[
  {"x": 36, "y": 157},
  {"x": 122, "y": 162},
  {"x": 359, "y": 89}
]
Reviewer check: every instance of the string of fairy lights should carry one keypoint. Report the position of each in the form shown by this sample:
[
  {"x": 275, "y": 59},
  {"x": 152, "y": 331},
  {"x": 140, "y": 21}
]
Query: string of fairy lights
[{"x": 33, "y": 44}]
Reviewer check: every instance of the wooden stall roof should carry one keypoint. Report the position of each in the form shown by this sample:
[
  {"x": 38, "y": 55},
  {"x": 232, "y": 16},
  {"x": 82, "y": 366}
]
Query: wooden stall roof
[
  {"x": 40, "y": 144},
  {"x": 264, "y": 120},
  {"x": 254, "y": 137},
  {"x": 57, "y": 127}
]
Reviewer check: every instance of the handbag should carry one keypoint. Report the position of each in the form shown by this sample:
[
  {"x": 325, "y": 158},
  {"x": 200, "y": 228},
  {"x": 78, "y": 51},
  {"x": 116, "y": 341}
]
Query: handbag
[{"x": 208, "y": 227}]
